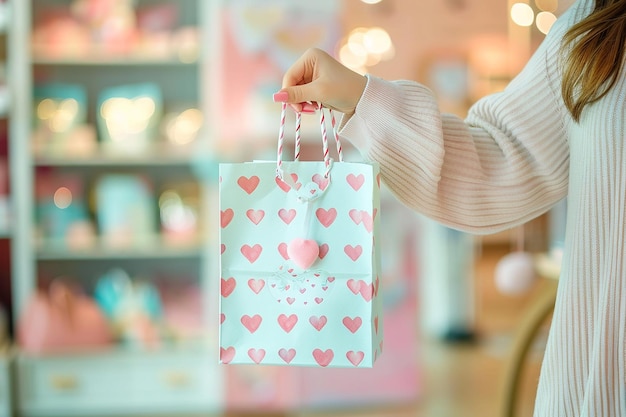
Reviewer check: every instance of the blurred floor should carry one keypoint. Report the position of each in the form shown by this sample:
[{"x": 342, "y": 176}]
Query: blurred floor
[{"x": 464, "y": 379}]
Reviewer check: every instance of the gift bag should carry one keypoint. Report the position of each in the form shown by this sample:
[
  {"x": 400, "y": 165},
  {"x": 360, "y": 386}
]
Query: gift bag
[{"x": 299, "y": 260}]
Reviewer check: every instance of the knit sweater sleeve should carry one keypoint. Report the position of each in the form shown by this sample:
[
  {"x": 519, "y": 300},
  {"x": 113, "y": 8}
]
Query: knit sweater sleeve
[{"x": 505, "y": 164}]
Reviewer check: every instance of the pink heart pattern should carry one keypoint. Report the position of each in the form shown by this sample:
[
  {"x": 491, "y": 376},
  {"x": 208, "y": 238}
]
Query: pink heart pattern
[
  {"x": 355, "y": 181},
  {"x": 326, "y": 217},
  {"x": 256, "y": 355},
  {"x": 251, "y": 323},
  {"x": 287, "y": 354},
  {"x": 226, "y": 216},
  {"x": 302, "y": 288},
  {"x": 287, "y": 322},
  {"x": 352, "y": 324},
  {"x": 248, "y": 184},
  {"x": 251, "y": 253},
  {"x": 227, "y": 286},
  {"x": 227, "y": 354},
  {"x": 255, "y": 216},
  {"x": 318, "y": 323},
  {"x": 256, "y": 285},
  {"x": 323, "y": 357},
  {"x": 287, "y": 216}
]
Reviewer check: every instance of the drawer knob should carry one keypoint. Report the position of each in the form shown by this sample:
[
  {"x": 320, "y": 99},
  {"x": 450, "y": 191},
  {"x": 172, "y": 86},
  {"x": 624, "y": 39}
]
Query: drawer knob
[
  {"x": 176, "y": 379},
  {"x": 64, "y": 382}
]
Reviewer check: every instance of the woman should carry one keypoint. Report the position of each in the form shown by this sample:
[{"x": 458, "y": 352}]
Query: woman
[{"x": 557, "y": 130}]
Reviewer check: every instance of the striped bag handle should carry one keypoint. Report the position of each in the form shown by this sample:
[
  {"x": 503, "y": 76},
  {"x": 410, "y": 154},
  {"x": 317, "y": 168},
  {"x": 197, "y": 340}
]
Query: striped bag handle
[{"x": 281, "y": 139}]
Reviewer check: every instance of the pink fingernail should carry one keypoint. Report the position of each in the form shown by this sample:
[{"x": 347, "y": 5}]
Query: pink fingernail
[{"x": 281, "y": 97}]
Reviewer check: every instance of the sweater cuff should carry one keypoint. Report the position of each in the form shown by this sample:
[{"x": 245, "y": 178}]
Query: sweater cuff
[
  {"x": 352, "y": 127},
  {"x": 402, "y": 107}
]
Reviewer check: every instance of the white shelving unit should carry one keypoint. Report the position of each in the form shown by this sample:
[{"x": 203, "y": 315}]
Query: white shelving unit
[
  {"x": 176, "y": 379},
  {"x": 5, "y": 111},
  {"x": 6, "y": 392}
]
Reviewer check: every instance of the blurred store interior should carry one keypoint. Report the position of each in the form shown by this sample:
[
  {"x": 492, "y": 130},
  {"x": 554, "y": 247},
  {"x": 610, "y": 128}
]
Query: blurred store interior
[{"x": 114, "y": 117}]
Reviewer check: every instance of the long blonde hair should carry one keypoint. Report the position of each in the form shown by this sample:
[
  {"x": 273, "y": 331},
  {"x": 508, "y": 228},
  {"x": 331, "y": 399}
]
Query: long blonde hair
[{"x": 595, "y": 55}]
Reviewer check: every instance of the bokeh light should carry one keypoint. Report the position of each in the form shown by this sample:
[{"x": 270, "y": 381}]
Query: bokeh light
[
  {"x": 544, "y": 21},
  {"x": 522, "y": 14},
  {"x": 62, "y": 197}
]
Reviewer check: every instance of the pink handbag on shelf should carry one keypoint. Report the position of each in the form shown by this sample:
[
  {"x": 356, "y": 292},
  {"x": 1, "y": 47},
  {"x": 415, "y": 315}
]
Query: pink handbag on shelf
[{"x": 61, "y": 319}]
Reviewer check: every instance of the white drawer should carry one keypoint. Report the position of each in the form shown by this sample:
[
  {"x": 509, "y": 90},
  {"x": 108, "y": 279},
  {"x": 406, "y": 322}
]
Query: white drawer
[
  {"x": 5, "y": 385},
  {"x": 120, "y": 383}
]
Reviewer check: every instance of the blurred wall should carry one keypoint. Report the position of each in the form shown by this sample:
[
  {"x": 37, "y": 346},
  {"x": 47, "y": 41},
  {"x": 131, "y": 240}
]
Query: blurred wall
[{"x": 419, "y": 29}]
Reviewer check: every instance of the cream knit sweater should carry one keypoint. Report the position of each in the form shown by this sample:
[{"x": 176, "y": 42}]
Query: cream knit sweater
[{"x": 517, "y": 153}]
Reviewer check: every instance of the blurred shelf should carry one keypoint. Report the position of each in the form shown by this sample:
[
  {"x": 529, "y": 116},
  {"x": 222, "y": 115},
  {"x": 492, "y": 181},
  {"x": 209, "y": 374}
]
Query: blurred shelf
[
  {"x": 198, "y": 345},
  {"x": 102, "y": 59},
  {"x": 50, "y": 251},
  {"x": 98, "y": 55},
  {"x": 165, "y": 158}
]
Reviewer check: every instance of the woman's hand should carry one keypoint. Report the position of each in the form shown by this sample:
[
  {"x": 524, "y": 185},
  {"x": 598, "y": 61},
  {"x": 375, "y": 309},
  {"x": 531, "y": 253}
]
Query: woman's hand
[{"x": 318, "y": 77}]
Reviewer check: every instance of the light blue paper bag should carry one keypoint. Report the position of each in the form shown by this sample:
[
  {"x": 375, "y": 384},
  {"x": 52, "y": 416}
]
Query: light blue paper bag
[{"x": 300, "y": 264}]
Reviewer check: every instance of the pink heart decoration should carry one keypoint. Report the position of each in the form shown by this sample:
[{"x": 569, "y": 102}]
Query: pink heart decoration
[
  {"x": 321, "y": 181},
  {"x": 352, "y": 324},
  {"x": 318, "y": 322},
  {"x": 227, "y": 355},
  {"x": 355, "y": 181},
  {"x": 227, "y": 286},
  {"x": 251, "y": 253},
  {"x": 326, "y": 217},
  {"x": 368, "y": 221},
  {"x": 287, "y": 355},
  {"x": 323, "y": 250},
  {"x": 222, "y": 318},
  {"x": 354, "y": 286},
  {"x": 226, "y": 216},
  {"x": 282, "y": 249},
  {"x": 256, "y": 285},
  {"x": 223, "y": 248},
  {"x": 248, "y": 184},
  {"x": 251, "y": 323},
  {"x": 353, "y": 252},
  {"x": 303, "y": 252},
  {"x": 256, "y": 355},
  {"x": 255, "y": 216},
  {"x": 355, "y": 358},
  {"x": 287, "y": 216},
  {"x": 282, "y": 184},
  {"x": 287, "y": 322},
  {"x": 366, "y": 290},
  {"x": 323, "y": 358},
  {"x": 355, "y": 215}
]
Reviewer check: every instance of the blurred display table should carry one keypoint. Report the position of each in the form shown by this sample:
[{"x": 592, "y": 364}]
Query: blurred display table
[{"x": 548, "y": 267}]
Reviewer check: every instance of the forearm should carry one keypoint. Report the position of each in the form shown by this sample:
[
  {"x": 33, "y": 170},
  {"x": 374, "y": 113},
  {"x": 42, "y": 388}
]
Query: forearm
[{"x": 479, "y": 178}]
